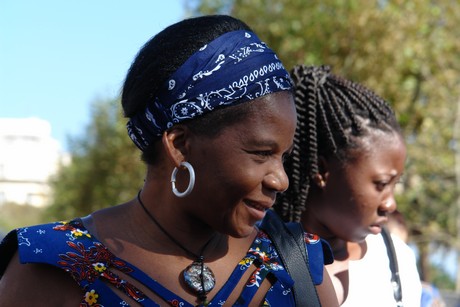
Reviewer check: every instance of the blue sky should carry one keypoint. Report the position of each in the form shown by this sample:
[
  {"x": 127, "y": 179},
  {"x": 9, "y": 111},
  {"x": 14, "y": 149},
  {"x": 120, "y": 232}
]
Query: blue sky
[{"x": 59, "y": 56}]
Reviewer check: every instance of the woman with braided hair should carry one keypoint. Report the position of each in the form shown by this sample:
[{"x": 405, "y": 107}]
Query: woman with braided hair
[{"x": 348, "y": 155}]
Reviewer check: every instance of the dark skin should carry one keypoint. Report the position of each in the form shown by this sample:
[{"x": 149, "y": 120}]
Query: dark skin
[
  {"x": 354, "y": 200},
  {"x": 242, "y": 166}
]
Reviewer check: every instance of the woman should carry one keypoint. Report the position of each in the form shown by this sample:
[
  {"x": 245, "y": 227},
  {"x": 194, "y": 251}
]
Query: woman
[
  {"x": 210, "y": 107},
  {"x": 348, "y": 156}
]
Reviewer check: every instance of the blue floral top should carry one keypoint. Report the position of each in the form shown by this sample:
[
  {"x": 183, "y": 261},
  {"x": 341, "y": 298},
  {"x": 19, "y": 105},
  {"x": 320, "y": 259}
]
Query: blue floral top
[{"x": 72, "y": 248}]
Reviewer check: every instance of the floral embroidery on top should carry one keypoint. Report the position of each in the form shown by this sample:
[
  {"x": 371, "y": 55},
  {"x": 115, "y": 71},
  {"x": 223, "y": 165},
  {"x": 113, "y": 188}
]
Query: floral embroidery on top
[
  {"x": 86, "y": 264},
  {"x": 100, "y": 267},
  {"x": 91, "y": 297},
  {"x": 311, "y": 238},
  {"x": 71, "y": 247}
]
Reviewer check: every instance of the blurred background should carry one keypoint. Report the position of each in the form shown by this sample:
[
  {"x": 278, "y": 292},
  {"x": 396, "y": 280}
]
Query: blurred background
[{"x": 64, "y": 151}]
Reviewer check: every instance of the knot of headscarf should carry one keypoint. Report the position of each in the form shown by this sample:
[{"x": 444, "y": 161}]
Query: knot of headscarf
[{"x": 234, "y": 68}]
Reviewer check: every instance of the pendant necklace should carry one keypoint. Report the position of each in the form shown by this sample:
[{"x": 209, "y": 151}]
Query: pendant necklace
[{"x": 197, "y": 276}]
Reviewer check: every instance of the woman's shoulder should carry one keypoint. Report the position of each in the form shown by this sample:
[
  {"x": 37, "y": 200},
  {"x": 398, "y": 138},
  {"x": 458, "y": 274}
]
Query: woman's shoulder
[
  {"x": 22, "y": 284},
  {"x": 20, "y": 237},
  {"x": 318, "y": 251},
  {"x": 317, "y": 246},
  {"x": 36, "y": 245},
  {"x": 45, "y": 243},
  {"x": 402, "y": 247}
]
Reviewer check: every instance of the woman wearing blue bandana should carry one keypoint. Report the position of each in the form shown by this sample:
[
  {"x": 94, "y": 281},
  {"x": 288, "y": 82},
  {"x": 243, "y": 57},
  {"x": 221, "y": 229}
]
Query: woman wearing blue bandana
[{"x": 210, "y": 106}]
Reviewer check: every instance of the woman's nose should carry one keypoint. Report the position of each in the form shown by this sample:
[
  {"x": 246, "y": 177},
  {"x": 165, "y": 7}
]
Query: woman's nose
[
  {"x": 389, "y": 205},
  {"x": 277, "y": 179}
]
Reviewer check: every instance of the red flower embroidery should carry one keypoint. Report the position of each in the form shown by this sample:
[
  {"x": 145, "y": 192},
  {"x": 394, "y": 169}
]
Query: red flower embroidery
[{"x": 80, "y": 264}]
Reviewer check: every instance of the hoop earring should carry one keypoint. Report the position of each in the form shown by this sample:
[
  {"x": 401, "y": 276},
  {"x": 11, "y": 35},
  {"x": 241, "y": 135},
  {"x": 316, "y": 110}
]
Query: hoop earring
[{"x": 191, "y": 182}]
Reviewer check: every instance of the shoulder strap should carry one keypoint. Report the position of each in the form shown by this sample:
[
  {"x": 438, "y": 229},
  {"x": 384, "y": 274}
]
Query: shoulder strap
[
  {"x": 290, "y": 244},
  {"x": 395, "y": 280}
]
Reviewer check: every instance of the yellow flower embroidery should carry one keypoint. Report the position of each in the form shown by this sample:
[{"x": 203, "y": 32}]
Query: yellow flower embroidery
[
  {"x": 100, "y": 267},
  {"x": 91, "y": 297},
  {"x": 77, "y": 233},
  {"x": 245, "y": 261}
]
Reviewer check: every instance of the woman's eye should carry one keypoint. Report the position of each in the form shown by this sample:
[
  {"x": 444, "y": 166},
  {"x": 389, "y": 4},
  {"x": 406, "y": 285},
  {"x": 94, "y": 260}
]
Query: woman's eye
[
  {"x": 381, "y": 185},
  {"x": 263, "y": 153}
]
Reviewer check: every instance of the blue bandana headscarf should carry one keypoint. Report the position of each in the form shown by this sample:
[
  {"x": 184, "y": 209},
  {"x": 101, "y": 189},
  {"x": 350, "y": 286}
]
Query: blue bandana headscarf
[{"x": 234, "y": 68}]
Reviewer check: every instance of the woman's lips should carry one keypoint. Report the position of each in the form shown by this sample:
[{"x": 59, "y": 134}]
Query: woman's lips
[
  {"x": 375, "y": 229},
  {"x": 257, "y": 209}
]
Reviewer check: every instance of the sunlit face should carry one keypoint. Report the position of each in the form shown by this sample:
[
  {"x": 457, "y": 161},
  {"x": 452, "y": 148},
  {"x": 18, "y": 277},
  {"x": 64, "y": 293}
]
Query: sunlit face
[
  {"x": 358, "y": 195},
  {"x": 240, "y": 171}
]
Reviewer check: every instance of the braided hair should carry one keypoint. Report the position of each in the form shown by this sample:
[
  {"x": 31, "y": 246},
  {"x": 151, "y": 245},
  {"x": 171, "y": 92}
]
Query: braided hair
[{"x": 333, "y": 115}]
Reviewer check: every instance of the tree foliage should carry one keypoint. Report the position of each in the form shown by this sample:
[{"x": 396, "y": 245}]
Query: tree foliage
[
  {"x": 105, "y": 167},
  {"x": 407, "y": 51}
]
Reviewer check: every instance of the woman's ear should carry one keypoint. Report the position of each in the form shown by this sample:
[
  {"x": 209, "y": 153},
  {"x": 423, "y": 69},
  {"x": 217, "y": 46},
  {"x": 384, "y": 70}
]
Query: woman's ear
[
  {"x": 323, "y": 167},
  {"x": 175, "y": 142},
  {"x": 321, "y": 177}
]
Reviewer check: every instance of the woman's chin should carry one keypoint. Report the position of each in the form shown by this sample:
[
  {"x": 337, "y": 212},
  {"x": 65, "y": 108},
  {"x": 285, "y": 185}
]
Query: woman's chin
[
  {"x": 243, "y": 232},
  {"x": 358, "y": 238}
]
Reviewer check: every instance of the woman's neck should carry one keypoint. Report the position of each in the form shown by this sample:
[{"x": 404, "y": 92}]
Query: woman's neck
[{"x": 345, "y": 250}]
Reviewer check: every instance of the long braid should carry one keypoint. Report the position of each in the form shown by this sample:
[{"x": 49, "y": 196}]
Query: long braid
[
  {"x": 303, "y": 146},
  {"x": 333, "y": 113}
]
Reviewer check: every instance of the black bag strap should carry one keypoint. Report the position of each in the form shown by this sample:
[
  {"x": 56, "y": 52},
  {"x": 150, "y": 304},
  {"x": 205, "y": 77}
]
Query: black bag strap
[
  {"x": 290, "y": 243},
  {"x": 395, "y": 280}
]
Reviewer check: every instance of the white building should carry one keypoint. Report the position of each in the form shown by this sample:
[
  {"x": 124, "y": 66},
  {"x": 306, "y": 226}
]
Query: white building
[{"x": 28, "y": 157}]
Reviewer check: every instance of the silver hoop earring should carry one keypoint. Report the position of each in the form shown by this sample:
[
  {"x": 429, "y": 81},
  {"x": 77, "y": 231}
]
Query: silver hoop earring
[{"x": 191, "y": 182}]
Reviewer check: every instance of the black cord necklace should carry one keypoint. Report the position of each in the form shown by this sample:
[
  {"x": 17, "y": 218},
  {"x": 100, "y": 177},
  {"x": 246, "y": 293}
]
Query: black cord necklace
[{"x": 197, "y": 276}]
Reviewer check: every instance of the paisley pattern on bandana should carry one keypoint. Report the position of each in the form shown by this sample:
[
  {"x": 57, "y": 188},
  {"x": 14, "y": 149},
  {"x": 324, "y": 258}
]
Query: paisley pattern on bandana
[{"x": 234, "y": 68}]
